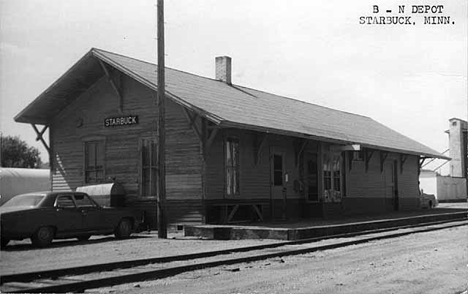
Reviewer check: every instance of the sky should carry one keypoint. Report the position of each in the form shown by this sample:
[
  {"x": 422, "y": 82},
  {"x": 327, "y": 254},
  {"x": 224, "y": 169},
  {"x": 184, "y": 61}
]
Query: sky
[{"x": 412, "y": 78}]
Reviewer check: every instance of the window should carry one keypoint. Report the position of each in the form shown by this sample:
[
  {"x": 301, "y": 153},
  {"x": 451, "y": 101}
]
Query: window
[
  {"x": 94, "y": 159},
  {"x": 149, "y": 167},
  {"x": 277, "y": 170},
  {"x": 337, "y": 174},
  {"x": 327, "y": 172},
  {"x": 358, "y": 155},
  {"x": 84, "y": 201},
  {"x": 24, "y": 201},
  {"x": 232, "y": 167},
  {"x": 65, "y": 202},
  {"x": 332, "y": 177}
]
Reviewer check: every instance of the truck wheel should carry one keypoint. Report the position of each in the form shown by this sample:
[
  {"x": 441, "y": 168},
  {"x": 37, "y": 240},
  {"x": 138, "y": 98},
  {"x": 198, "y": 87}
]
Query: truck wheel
[
  {"x": 43, "y": 237},
  {"x": 124, "y": 229}
]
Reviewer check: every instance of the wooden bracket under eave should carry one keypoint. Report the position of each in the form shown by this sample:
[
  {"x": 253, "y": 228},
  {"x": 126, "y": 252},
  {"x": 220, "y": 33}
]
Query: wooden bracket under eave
[
  {"x": 206, "y": 134},
  {"x": 210, "y": 138},
  {"x": 258, "y": 147},
  {"x": 40, "y": 137},
  {"x": 383, "y": 157},
  {"x": 300, "y": 150},
  {"x": 191, "y": 118},
  {"x": 403, "y": 158},
  {"x": 368, "y": 155},
  {"x": 421, "y": 162},
  {"x": 114, "y": 86}
]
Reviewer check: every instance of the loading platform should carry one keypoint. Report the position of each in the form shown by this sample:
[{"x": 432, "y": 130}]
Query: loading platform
[{"x": 311, "y": 228}]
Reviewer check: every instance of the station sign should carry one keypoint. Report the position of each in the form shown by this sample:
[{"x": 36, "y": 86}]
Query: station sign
[{"x": 121, "y": 121}]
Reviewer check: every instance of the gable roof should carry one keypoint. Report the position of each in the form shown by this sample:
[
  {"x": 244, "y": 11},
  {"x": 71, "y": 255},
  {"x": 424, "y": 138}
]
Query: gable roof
[{"x": 226, "y": 105}]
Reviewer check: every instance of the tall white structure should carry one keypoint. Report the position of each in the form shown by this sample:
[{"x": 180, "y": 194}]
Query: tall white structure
[{"x": 458, "y": 147}]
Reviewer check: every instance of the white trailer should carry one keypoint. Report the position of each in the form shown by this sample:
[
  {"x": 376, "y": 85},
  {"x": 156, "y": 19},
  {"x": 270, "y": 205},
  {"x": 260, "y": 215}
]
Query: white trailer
[{"x": 15, "y": 181}]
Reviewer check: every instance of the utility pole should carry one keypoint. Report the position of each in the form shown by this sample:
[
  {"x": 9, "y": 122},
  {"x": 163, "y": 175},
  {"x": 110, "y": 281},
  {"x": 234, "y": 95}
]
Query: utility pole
[
  {"x": 161, "y": 195},
  {"x": 1, "y": 148}
]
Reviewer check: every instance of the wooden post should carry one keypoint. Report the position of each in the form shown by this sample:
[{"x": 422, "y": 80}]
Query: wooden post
[
  {"x": 161, "y": 195},
  {"x": 1, "y": 146}
]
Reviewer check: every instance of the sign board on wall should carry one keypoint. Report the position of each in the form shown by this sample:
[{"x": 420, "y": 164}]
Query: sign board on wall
[{"x": 121, "y": 121}]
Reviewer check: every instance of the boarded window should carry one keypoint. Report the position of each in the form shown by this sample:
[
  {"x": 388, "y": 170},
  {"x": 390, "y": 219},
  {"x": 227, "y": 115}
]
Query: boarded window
[
  {"x": 149, "y": 167},
  {"x": 232, "y": 167},
  {"x": 94, "y": 159}
]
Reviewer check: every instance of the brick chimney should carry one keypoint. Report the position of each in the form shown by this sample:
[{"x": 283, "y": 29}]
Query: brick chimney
[{"x": 223, "y": 69}]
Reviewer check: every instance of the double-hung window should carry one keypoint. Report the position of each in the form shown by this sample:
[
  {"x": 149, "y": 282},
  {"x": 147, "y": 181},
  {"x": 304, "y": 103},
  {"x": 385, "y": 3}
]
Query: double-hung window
[
  {"x": 337, "y": 174},
  {"x": 94, "y": 162},
  {"x": 332, "y": 177},
  {"x": 232, "y": 167}
]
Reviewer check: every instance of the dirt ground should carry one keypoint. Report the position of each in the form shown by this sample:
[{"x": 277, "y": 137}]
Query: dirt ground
[
  {"x": 20, "y": 256},
  {"x": 432, "y": 262}
]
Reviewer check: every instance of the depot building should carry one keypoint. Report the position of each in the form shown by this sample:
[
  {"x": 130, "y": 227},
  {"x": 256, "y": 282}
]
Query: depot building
[{"x": 232, "y": 153}]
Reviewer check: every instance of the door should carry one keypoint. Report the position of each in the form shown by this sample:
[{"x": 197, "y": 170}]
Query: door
[
  {"x": 278, "y": 183},
  {"x": 396, "y": 199},
  {"x": 311, "y": 177},
  {"x": 391, "y": 185},
  {"x": 68, "y": 216}
]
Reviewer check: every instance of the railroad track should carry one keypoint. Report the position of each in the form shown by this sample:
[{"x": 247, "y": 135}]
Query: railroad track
[{"x": 78, "y": 279}]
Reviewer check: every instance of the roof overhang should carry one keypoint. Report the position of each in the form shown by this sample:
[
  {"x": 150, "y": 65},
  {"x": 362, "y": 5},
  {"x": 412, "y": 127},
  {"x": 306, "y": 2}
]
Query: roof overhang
[
  {"x": 75, "y": 81},
  {"x": 82, "y": 75},
  {"x": 228, "y": 124}
]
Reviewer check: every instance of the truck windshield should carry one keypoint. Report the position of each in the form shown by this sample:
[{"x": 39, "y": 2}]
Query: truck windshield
[{"x": 24, "y": 201}]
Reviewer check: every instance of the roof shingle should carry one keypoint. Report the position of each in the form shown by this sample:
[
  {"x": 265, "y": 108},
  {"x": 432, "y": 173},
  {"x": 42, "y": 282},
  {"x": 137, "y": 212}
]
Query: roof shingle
[{"x": 240, "y": 106}]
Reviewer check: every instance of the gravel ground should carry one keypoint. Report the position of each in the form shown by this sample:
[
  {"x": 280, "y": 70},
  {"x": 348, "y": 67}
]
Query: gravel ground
[{"x": 430, "y": 263}]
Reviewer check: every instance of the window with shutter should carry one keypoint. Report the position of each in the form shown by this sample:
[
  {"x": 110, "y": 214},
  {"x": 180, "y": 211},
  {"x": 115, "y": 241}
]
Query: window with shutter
[
  {"x": 149, "y": 167},
  {"x": 232, "y": 167}
]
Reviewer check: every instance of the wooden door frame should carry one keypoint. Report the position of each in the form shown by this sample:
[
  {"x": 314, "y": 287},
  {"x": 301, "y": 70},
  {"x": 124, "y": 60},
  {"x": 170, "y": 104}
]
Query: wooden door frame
[
  {"x": 319, "y": 176},
  {"x": 282, "y": 151},
  {"x": 396, "y": 196}
]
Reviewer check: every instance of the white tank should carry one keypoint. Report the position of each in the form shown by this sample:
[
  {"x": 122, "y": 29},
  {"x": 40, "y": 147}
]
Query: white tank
[{"x": 15, "y": 181}]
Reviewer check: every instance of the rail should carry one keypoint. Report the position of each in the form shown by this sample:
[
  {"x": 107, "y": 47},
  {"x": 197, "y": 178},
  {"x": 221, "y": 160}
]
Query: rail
[{"x": 101, "y": 275}]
